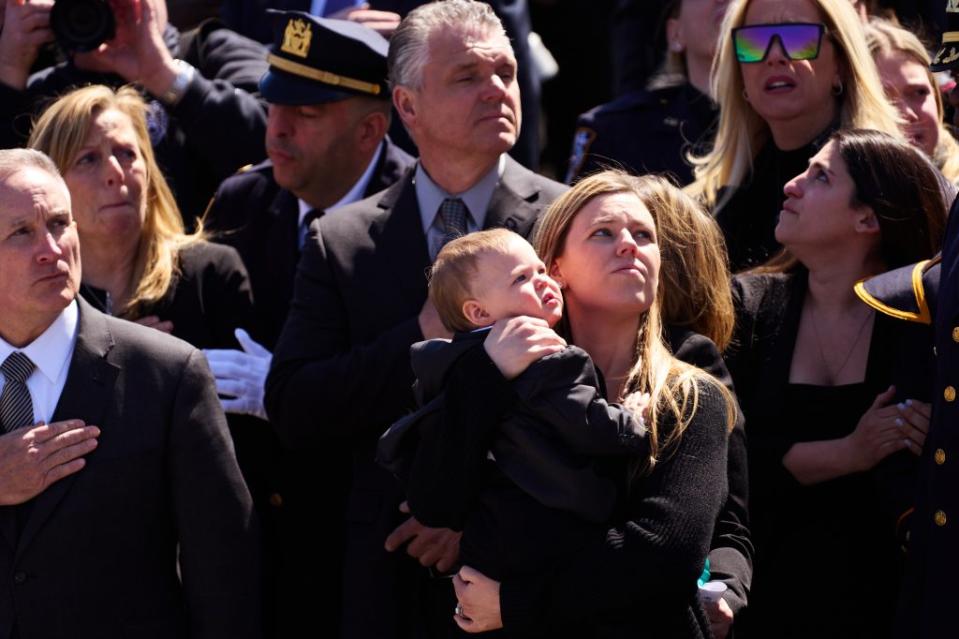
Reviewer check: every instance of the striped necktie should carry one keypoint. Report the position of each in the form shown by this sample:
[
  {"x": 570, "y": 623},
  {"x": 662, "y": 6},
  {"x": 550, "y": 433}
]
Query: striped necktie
[{"x": 16, "y": 405}]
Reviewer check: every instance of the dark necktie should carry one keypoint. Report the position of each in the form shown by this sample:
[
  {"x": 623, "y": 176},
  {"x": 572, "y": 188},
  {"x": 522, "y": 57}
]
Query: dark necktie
[
  {"x": 304, "y": 231},
  {"x": 453, "y": 216},
  {"x": 16, "y": 405}
]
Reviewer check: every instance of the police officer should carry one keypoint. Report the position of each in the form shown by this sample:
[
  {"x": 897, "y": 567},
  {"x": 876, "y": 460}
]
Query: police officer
[
  {"x": 329, "y": 110},
  {"x": 931, "y": 292},
  {"x": 652, "y": 130}
]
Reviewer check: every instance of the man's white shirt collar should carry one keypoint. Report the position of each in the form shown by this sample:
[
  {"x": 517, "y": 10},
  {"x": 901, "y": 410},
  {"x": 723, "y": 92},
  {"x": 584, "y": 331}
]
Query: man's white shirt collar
[{"x": 52, "y": 350}]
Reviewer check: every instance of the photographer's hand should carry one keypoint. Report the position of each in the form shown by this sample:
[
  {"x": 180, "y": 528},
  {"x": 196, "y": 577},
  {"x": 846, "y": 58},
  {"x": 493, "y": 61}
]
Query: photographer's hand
[
  {"x": 138, "y": 52},
  {"x": 25, "y": 28}
]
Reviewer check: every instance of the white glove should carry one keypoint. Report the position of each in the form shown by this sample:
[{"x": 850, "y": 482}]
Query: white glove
[{"x": 241, "y": 375}]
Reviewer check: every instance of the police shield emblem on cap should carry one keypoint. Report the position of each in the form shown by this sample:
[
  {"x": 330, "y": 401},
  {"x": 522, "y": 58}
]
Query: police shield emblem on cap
[
  {"x": 296, "y": 38},
  {"x": 952, "y": 6}
]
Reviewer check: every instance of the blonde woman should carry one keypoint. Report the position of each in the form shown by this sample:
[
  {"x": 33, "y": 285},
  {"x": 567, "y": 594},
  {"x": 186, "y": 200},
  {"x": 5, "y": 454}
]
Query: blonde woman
[
  {"x": 903, "y": 64},
  {"x": 600, "y": 241},
  {"x": 138, "y": 263},
  {"x": 787, "y": 74}
]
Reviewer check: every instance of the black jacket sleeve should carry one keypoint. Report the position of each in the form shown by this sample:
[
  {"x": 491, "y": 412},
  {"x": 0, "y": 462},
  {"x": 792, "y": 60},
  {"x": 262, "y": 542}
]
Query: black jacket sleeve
[
  {"x": 563, "y": 391},
  {"x": 731, "y": 552}
]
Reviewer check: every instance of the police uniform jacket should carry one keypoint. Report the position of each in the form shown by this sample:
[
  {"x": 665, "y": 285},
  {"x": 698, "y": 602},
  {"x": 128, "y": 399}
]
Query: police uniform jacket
[
  {"x": 646, "y": 131},
  {"x": 929, "y": 589},
  {"x": 217, "y": 127},
  {"x": 341, "y": 369}
]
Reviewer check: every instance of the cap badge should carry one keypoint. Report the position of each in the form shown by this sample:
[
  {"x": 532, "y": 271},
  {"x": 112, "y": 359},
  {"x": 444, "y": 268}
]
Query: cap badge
[
  {"x": 952, "y": 6},
  {"x": 296, "y": 38}
]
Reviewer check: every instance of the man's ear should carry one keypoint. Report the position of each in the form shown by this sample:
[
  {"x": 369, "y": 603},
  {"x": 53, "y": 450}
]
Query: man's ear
[
  {"x": 404, "y": 100},
  {"x": 371, "y": 130},
  {"x": 475, "y": 313}
]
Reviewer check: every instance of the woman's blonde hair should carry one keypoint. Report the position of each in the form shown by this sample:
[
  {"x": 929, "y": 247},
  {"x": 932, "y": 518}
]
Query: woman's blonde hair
[
  {"x": 885, "y": 38},
  {"x": 62, "y": 131},
  {"x": 694, "y": 287},
  {"x": 672, "y": 385},
  {"x": 742, "y": 132}
]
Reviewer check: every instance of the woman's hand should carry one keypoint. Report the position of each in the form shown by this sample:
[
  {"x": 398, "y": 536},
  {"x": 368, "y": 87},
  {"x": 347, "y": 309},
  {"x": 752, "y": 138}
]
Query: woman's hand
[
  {"x": 720, "y": 617},
  {"x": 516, "y": 342},
  {"x": 885, "y": 429},
  {"x": 25, "y": 28},
  {"x": 915, "y": 417},
  {"x": 478, "y": 597}
]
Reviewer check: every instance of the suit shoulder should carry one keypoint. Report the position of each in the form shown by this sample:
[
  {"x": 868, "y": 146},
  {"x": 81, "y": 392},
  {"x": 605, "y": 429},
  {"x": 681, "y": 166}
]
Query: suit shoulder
[
  {"x": 518, "y": 176},
  {"x": 153, "y": 348},
  {"x": 750, "y": 289},
  {"x": 624, "y": 106},
  {"x": 202, "y": 255},
  {"x": 247, "y": 178}
]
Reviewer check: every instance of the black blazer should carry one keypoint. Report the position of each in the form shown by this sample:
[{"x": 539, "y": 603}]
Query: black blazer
[
  {"x": 209, "y": 297},
  {"x": 260, "y": 220},
  {"x": 253, "y": 215},
  {"x": 341, "y": 369},
  {"x": 100, "y": 551}
]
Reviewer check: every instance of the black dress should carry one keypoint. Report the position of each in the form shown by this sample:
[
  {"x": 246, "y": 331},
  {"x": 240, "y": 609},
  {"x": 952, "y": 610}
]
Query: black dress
[{"x": 827, "y": 560}]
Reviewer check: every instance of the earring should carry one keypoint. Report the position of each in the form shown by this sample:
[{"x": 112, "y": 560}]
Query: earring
[
  {"x": 837, "y": 91},
  {"x": 676, "y": 47}
]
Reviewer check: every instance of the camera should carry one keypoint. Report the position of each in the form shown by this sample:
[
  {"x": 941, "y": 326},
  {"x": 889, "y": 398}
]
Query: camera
[{"x": 82, "y": 25}]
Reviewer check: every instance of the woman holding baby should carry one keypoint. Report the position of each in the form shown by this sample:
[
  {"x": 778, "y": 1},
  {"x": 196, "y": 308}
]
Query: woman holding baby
[{"x": 600, "y": 242}]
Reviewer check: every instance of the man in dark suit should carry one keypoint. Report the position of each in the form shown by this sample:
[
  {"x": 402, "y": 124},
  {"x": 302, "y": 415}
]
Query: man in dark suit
[
  {"x": 154, "y": 536},
  {"x": 326, "y": 136},
  {"x": 341, "y": 370}
]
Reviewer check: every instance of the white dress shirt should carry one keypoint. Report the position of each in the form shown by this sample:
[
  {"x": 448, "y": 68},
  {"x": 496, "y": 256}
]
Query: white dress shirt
[{"x": 51, "y": 354}]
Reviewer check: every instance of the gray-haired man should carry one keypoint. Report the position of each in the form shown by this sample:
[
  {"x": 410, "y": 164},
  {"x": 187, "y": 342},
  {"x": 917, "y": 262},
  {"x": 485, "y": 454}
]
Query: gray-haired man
[{"x": 360, "y": 298}]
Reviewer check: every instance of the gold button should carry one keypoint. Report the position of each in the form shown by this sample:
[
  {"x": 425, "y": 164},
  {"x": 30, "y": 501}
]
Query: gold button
[
  {"x": 955, "y": 334},
  {"x": 276, "y": 500},
  {"x": 949, "y": 393},
  {"x": 940, "y": 456},
  {"x": 940, "y": 518}
]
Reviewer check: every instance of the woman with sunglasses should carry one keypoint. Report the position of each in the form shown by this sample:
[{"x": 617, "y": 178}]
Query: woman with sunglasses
[
  {"x": 903, "y": 64},
  {"x": 789, "y": 73},
  {"x": 831, "y": 390}
]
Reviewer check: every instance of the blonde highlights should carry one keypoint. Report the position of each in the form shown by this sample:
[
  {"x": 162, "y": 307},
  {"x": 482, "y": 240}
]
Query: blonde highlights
[
  {"x": 886, "y": 38},
  {"x": 672, "y": 385},
  {"x": 62, "y": 131},
  {"x": 742, "y": 132}
]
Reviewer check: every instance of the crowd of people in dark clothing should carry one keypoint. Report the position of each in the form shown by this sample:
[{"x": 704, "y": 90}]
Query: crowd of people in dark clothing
[{"x": 683, "y": 366}]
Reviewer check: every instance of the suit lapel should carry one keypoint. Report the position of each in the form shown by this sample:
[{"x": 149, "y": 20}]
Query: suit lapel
[
  {"x": 514, "y": 202},
  {"x": 283, "y": 243},
  {"x": 399, "y": 233},
  {"x": 86, "y": 394}
]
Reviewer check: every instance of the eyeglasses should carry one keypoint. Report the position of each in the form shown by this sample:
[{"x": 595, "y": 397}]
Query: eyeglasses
[{"x": 799, "y": 40}]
